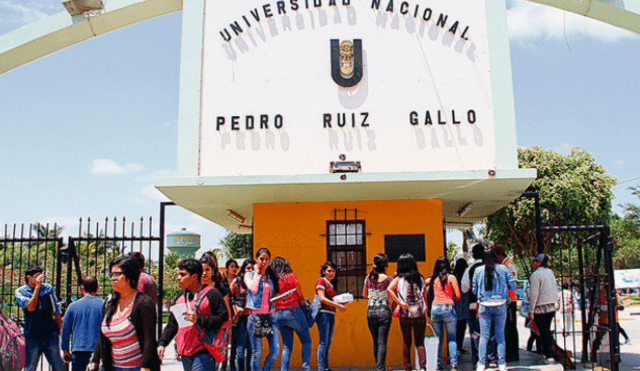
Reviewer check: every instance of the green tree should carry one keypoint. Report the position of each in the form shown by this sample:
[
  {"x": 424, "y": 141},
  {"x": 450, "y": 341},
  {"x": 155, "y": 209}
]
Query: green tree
[
  {"x": 452, "y": 251},
  {"x": 171, "y": 287},
  {"x": 573, "y": 189},
  {"x": 237, "y": 245},
  {"x": 625, "y": 231},
  {"x": 474, "y": 235}
]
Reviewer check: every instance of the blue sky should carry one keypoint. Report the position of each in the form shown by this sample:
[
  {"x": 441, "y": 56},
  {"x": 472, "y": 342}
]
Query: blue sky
[{"x": 87, "y": 129}]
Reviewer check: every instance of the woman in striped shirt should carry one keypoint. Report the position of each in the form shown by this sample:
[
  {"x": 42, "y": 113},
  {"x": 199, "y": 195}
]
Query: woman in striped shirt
[{"x": 127, "y": 341}]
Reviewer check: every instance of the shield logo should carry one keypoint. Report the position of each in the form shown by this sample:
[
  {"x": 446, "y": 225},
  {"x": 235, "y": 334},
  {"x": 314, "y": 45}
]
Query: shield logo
[{"x": 346, "y": 62}]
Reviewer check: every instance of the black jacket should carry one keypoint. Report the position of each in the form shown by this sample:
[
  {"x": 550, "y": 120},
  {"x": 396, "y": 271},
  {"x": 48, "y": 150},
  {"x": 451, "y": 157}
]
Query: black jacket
[
  {"x": 219, "y": 315},
  {"x": 143, "y": 317}
]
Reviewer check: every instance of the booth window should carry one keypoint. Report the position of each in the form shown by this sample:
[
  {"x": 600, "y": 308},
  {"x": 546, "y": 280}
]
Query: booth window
[{"x": 346, "y": 247}]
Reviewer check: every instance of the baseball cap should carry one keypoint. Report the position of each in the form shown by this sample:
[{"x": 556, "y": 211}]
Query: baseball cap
[{"x": 539, "y": 258}]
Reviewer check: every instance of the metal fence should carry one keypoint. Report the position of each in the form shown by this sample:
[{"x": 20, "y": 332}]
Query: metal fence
[
  {"x": 89, "y": 252},
  {"x": 586, "y": 323},
  {"x": 21, "y": 247}
]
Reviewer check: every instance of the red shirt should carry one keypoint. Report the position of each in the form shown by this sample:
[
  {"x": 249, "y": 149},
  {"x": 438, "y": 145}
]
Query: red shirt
[
  {"x": 287, "y": 297},
  {"x": 329, "y": 293}
]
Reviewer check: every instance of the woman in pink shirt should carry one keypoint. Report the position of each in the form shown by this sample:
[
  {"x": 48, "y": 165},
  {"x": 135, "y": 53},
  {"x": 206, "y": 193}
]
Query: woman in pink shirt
[
  {"x": 444, "y": 287},
  {"x": 261, "y": 284}
]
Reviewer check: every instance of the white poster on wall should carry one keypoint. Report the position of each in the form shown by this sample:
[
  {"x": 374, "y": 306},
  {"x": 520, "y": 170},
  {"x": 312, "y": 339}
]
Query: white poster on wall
[{"x": 401, "y": 86}]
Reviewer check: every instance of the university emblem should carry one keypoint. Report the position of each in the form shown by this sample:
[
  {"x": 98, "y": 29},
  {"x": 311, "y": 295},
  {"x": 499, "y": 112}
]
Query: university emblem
[{"x": 346, "y": 62}]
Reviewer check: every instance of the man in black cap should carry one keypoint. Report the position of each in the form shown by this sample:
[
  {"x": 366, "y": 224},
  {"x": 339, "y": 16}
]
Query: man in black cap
[{"x": 542, "y": 303}]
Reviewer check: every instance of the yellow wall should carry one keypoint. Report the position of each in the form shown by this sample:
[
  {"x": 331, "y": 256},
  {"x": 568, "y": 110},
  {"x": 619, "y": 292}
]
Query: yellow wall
[{"x": 295, "y": 232}]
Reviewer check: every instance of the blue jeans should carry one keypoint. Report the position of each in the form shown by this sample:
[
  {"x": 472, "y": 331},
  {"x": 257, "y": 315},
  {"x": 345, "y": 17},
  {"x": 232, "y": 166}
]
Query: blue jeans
[
  {"x": 243, "y": 351},
  {"x": 379, "y": 328},
  {"x": 256, "y": 346},
  {"x": 80, "y": 360},
  {"x": 474, "y": 334},
  {"x": 326, "y": 323},
  {"x": 199, "y": 362},
  {"x": 47, "y": 345},
  {"x": 444, "y": 320},
  {"x": 290, "y": 320},
  {"x": 492, "y": 318}
]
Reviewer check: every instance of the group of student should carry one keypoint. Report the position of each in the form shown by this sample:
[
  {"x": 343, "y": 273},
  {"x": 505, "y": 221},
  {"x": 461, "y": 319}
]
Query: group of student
[{"x": 264, "y": 300}]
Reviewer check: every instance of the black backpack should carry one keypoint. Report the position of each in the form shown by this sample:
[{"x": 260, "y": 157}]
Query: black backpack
[{"x": 472, "y": 297}]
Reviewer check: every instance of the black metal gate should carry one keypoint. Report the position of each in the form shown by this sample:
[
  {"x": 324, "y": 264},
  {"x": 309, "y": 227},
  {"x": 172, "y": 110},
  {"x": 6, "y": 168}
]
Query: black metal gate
[
  {"x": 22, "y": 247},
  {"x": 584, "y": 267},
  {"x": 86, "y": 253}
]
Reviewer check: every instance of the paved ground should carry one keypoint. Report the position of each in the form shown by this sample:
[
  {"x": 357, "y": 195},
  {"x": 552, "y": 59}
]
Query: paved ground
[{"x": 630, "y": 354}]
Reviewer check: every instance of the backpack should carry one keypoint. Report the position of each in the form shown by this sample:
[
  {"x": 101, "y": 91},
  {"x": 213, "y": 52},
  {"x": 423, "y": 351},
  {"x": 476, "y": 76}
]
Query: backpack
[
  {"x": 215, "y": 342},
  {"x": 11, "y": 345},
  {"x": 472, "y": 297},
  {"x": 414, "y": 299}
]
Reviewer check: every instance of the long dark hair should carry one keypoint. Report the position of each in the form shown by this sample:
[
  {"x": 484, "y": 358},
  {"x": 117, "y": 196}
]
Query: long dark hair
[
  {"x": 280, "y": 267},
  {"x": 408, "y": 269},
  {"x": 210, "y": 259},
  {"x": 441, "y": 271},
  {"x": 131, "y": 271},
  {"x": 245, "y": 264},
  {"x": 380, "y": 264},
  {"x": 243, "y": 269},
  {"x": 490, "y": 259},
  {"x": 268, "y": 270},
  {"x": 460, "y": 268},
  {"x": 327, "y": 264}
]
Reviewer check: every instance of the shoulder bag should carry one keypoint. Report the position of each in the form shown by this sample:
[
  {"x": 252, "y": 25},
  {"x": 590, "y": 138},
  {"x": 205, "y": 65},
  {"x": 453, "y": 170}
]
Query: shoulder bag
[
  {"x": 262, "y": 326},
  {"x": 215, "y": 342}
]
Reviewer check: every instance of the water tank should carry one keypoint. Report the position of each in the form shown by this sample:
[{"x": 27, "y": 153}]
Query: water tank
[{"x": 184, "y": 243}]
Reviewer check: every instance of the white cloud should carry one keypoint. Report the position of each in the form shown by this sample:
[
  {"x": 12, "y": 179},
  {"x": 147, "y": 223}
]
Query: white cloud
[
  {"x": 105, "y": 166},
  {"x": 18, "y": 13},
  {"x": 133, "y": 168},
  {"x": 530, "y": 22},
  {"x": 156, "y": 174},
  {"x": 619, "y": 162},
  {"x": 563, "y": 149},
  {"x": 151, "y": 193}
]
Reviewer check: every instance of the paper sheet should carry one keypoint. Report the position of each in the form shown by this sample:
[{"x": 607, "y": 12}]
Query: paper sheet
[{"x": 178, "y": 311}]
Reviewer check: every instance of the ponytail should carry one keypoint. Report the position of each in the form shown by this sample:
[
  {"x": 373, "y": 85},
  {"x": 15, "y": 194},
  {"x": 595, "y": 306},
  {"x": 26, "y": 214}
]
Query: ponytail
[
  {"x": 380, "y": 264},
  {"x": 490, "y": 260}
]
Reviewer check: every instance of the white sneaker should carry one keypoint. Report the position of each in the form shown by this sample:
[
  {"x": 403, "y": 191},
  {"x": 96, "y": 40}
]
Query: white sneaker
[
  {"x": 480, "y": 367},
  {"x": 502, "y": 368}
]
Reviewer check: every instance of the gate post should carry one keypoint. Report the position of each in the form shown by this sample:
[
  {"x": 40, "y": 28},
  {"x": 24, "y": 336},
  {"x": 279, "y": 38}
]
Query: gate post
[
  {"x": 536, "y": 198},
  {"x": 163, "y": 205},
  {"x": 59, "y": 270},
  {"x": 612, "y": 299}
]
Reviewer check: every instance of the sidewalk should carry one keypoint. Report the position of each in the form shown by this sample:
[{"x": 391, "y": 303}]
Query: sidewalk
[{"x": 528, "y": 361}]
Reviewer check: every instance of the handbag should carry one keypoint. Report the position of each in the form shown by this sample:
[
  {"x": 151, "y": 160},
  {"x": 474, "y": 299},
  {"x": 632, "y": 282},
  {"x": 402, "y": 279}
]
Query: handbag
[
  {"x": 215, "y": 342},
  {"x": 533, "y": 326},
  {"x": 12, "y": 345},
  {"x": 315, "y": 309},
  {"x": 415, "y": 310},
  {"x": 306, "y": 310},
  {"x": 239, "y": 300},
  {"x": 396, "y": 311},
  {"x": 262, "y": 326}
]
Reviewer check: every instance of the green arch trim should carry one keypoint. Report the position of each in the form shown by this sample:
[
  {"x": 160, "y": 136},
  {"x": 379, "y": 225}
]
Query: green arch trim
[{"x": 58, "y": 31}]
